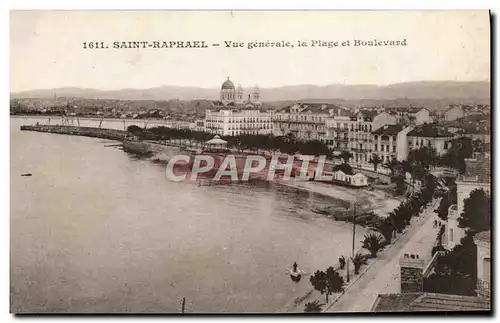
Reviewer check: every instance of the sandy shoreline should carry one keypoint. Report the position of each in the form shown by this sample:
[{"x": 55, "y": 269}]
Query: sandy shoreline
[{"x": 377, "y": 201}]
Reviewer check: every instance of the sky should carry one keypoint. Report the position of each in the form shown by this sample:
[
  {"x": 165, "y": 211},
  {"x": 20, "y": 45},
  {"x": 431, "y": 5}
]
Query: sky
[{"x": 47, "y": 48}]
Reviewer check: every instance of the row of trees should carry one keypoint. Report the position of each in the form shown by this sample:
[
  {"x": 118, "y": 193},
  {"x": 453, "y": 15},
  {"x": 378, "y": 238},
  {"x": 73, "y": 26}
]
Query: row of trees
[
  {"x": 286, "y": 144},
  {"x": 400, "y": 218},
  {"x": 330, "y": 281}
]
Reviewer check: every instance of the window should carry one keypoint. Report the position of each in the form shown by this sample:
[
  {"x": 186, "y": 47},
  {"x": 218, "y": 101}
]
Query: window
[
  {"x": 451, "y": 235},
  {"x": 486, "y": 270}
]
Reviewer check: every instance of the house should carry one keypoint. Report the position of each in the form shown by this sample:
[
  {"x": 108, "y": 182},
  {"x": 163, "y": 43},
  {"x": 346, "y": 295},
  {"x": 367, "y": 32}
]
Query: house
[
  {"x": 337, "y": 129},
  {"x": 477, "y": 176},
  {"x": 429, "y": 135},
  {"x": 483, "y": 243},
  {"x": 413, "y": 298},
  {"x": 345, "y": 176},
  {"x": 359, "y": 133},
  {"x": 428, "y": 302},
  {"x": 454, "y": 112},
  {"x": 411, "y": 116}
]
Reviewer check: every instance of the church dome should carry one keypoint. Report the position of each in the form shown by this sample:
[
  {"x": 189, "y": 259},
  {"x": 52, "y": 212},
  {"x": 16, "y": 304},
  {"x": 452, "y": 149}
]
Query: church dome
[{"x": 227, "y": 85}]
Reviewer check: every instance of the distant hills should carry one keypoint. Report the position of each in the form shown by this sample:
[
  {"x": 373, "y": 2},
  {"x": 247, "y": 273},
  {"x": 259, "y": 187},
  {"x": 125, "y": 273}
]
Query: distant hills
[{"x": 449, "y": 91}]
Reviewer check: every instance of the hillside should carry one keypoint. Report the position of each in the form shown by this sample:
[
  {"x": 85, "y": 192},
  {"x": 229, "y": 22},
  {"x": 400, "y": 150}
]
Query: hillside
[{"x": 405, "y": 93}]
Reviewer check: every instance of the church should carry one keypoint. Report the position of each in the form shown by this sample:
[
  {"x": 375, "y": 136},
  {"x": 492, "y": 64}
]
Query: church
[
  {"x": 232, "y": 115},
  {"x": 234, "y": 97}
]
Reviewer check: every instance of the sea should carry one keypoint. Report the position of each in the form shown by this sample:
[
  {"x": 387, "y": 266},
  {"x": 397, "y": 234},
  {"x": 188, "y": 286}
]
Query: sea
[{"x": 97, "y": 230}]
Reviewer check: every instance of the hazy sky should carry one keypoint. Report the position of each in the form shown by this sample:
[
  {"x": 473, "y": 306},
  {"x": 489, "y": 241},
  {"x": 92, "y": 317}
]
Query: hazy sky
[{"x": 47, "y": 51}]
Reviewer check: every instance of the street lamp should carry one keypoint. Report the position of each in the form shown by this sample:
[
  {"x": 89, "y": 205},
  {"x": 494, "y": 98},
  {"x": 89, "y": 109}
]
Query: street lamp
[{"x": 353, "y": 236}]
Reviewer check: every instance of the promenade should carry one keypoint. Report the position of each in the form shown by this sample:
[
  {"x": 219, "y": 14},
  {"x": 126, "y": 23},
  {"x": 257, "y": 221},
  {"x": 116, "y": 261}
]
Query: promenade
[{"x": 382, "y": 277}]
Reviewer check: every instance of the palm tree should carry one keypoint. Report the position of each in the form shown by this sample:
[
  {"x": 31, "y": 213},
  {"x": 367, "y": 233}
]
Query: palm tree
[
  {"x": 393, "y": 165},
  {"x": 385, "y": 227},
  {"x": 373, "y": 243},
  {"x": 328, "y": 282},
  {"x": 313, "y": 307},
  {"x": 345, "y": 155},
  {"x": 375, "y": 160},
  {"x": 358, "y": 261}
]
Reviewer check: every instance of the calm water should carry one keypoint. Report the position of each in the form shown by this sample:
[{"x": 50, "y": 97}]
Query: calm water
[{"x": 97, "y": 230}]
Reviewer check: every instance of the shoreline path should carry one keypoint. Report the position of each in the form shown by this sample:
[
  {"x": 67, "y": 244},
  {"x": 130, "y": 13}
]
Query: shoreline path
[{"x": 383, "y": 275}]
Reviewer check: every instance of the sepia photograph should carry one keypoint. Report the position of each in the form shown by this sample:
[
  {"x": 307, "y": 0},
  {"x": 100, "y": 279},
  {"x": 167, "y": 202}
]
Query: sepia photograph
[{"x": 231, "y": 161}]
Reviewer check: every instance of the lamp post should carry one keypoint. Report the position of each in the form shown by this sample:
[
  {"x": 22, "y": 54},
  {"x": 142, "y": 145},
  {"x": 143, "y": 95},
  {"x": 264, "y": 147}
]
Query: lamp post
[{"x": 353, "y": 238}]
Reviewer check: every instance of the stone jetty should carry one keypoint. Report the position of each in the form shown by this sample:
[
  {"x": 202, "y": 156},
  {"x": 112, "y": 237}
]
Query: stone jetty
[{"x": 111, "y": 134}]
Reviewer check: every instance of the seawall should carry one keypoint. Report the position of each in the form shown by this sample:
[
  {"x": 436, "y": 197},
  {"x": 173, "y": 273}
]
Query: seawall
[
  {"x": 163, "y": 152},
  {"x": 111, "y": 134}
]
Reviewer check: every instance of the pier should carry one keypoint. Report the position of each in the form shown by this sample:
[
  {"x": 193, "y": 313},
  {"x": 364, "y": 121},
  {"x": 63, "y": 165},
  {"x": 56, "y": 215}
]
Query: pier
[{"x": 111, "y": 134}]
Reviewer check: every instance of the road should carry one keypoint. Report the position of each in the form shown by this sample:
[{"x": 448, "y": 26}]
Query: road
[{"x": 383, "y": 276}]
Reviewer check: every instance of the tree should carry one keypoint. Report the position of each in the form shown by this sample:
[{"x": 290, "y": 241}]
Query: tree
[
  {"x": 346, "y": 156},
  {"x": 425, "y": 156},
  {"x": 313, "y": 307},
  {"x": 459, "y": 149},
  {"x": 442, "y": 210},
  {"x": 373, "y": 243},
  {"x": 358, "y": 261},
  {"x": 400, "y": 184},
  {"x": 395, "y": 166},
  {"x": 385, "y": 227},
  {"x": 375, "y": 160},
  {"x": 328, "y": 282},
  {"x": 456, "y": 271},
  {"x": 476, "y": 216},
  {"x": 134, "y": 129}
]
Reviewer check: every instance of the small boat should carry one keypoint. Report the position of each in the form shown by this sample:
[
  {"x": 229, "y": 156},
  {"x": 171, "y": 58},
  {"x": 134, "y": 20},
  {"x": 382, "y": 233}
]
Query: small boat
[
  {"x": 26, "y": 174},
  {"x": 295, "y": 273}
]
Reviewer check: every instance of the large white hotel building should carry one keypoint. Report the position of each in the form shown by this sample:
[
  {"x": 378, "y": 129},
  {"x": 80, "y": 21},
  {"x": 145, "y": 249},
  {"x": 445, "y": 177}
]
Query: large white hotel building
[{"x": 232, "y": 115}]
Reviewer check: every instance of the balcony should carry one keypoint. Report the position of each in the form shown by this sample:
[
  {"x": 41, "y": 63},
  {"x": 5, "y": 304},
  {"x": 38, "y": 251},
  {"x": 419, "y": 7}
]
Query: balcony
[
  {"x": 483, "y": 288},
  {"x": 299, "y": 121}
]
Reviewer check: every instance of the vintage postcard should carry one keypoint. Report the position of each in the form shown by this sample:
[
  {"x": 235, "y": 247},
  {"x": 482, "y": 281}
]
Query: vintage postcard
[{"x": 250, "y": 161}]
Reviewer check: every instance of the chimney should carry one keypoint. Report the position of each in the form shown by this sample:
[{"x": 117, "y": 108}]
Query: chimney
[
  {"x": 411, "y": 273},
  {"x": 470, "y": 166}
]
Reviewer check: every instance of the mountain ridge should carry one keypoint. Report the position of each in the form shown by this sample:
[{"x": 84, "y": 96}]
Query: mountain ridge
[{"x": 300, "y": 92}]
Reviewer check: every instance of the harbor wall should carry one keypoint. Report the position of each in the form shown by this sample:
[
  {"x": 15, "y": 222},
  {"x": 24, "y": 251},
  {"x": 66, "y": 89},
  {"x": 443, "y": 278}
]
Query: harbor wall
[{"x": 112, "y": 134}]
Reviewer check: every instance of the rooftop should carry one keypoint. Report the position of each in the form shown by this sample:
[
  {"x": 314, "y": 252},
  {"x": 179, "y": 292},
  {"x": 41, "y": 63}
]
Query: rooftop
[
  {"x": 429, "y": 130},
  {"x": 389, "y": 130},
  {"x": 478, "y": 169},
  {"x": 429, "y": 302},
  {"x": 368, "y": 115},
  {"x": 483, "y": 236},
  {"x": 323, "y": 108}
]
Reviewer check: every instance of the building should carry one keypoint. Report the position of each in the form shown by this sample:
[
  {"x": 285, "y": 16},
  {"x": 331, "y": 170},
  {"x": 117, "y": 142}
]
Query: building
[
  {"x": 477, "y": 176},
  {"x": 305, "y": 121},
  {"x": 483, "y": 243},
  {"x": 354, "y": 133},
  {"x": 345, "y": 176},
  {"x": 429, "y": 135},
  {"x": 390, "y": 142},
  {"x": 413, "y": 298},
  {"x": 231, "y": 116},
  {"x": 454, "y": 112},
  {"x": 411, "y": 116},
  {"x": 337, "y": 129},
  {"x": 385, "y": 142},
  {"x": 198, "y": 125},
  {"x": 428, "y": 302}
]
